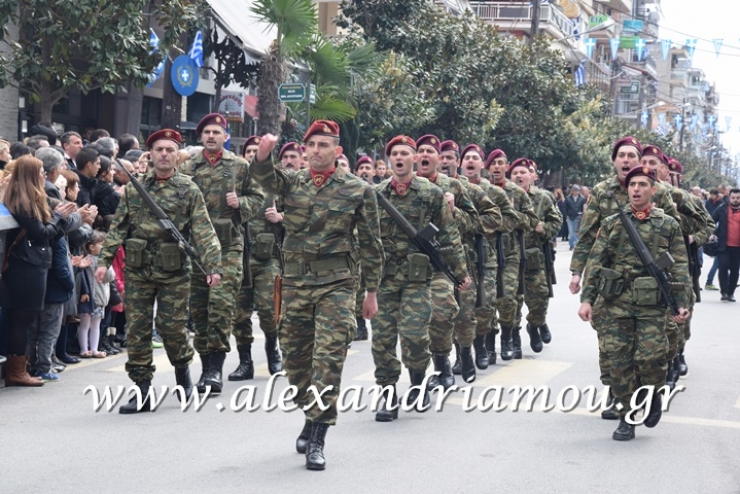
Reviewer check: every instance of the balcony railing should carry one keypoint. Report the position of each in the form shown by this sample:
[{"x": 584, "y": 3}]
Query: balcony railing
[{"x": 510, "y": 16}]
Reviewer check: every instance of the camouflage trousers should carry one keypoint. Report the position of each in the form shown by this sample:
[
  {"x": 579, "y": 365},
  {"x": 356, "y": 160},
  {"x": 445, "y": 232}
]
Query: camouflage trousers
[
  {"x": 405, "y": 313},
  {"x": 599, "y": 323},
  {"x": 258, "y": 297},
  {"x": 485, "y": 317},
  {"x": 637, "y": 347},
  {"x": 465, "y": 323},
  {"x": 317, "y": 324},
  {"x": 535, "y": 296},
  {"x": 213, "y": 309},
  {"x": 685, "y": 328},
  {"x": 171, "y": 297},
  {"x": 509, "y": 304},
  {"x": 360, "y": 293},
  {"x": 444, "y": 311}
]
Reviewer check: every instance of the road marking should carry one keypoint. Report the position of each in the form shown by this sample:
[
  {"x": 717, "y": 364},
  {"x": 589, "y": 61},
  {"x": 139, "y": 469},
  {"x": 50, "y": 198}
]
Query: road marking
[{"x": 737, "y": 403}]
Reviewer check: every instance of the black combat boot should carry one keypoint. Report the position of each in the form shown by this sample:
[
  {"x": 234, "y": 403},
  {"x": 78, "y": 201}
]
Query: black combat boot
[
  {"x": 132, "y": 405},
  {"x": 656, "y": 410},
  {"x": 302, "y": 441},
  {"x": 610, "y": 413},
  {"x": 417, "y": 378},
  {"x": 182, "y": 378},
  {"x": 245, "y": 370},
  {"x": 214, "y": 377},
  {"x": 442, "y": 365},
  {"x": 388, "y": 411},
  {"x": 516, "y": 342},
  {"x": 315, "y": 447},
  {"x": 676, "y": 366},
  {"x": 507, "y": 345},
  {"x": 683, "y": 369},
  {"x": 624, "y": 432},
  {"x": 457, "y": 368},
  {"x": 361, "y": 334},
  {"x": 491, "y": 347},
  {"x": 670, "y": 378},
  {"x": 545, "y": 334},
  {"x": 481, "y": 352},
  {"x": 274, "y": 362},
  {"x": 535, "y": 340},
  {"x": 468, "y": 364},
  {"x": 205, "y": 360}
]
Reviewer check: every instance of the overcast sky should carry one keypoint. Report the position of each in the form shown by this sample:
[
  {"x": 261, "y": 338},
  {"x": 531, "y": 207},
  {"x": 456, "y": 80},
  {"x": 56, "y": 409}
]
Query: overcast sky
[{"x": 706, "y": 20}]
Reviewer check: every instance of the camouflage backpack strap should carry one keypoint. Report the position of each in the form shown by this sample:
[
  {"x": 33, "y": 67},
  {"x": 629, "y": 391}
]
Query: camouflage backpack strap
[
  {"x": 183, "y": 189},
  {"x": 540, "y": 204},
  {"x": 425, "y": 193}
]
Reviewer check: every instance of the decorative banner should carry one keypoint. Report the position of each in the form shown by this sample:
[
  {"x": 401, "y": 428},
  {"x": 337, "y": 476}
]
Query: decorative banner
[
  {"x": 678, "y": 120},
  {"x": 184, "y": 75},
  {"x": 580, "y": 75},
  {"x": 196, "y": 51},
  {"x": 694, "y": 121},
  {"x": 639, "y": 48},
  {"x": 728, "y": 123},
  {"x": 665, "y": 45},
  {"x": 710, "y": 120},
  {"x": 590, "y": 45},
  {"x": 691, "y": 46},
  {"x": 632, "y": 26},
  {"x": 614, "y": 42},
  {"x": 661, "y": 119},
  {"x": 154, "y": 43},
  {"x": 644, "y": 118},
  {"x": 717, "y": 45}
]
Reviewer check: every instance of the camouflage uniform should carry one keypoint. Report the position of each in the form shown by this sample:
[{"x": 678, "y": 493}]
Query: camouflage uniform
[
  {"x": 633, "y": 334},
  {"x": 147, "y": 280},
  {"x": 319, "y": 266},
  {"x": 213, "y": 310},
  {"x": 405, "y": 298}
]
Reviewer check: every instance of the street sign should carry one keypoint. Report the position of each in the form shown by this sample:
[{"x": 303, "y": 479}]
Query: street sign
[
  {"x": 312, "y": 94},
  {"x": 633, "y": 88},
  {"x": 292, "y": 93}
]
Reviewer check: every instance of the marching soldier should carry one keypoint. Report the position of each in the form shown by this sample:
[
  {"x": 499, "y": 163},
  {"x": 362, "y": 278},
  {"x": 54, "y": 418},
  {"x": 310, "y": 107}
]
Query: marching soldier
[
  {"x": 156, "y": 269},
  {"x": 291, "y": 156},
  {"x": 405, "y": 292},
  {"x": 323, "y": 207},
  {"x": 536, "y": 282},
  {"x": 365, "y": 170},
  {"x": 232, "y": 199},
  {"x": 250, "y": 147},
  {"x": 634, "y": 314}
]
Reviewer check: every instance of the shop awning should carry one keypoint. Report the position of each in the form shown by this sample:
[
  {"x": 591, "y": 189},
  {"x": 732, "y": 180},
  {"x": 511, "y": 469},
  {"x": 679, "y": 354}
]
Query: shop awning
[{"x": 236, "y": 18}]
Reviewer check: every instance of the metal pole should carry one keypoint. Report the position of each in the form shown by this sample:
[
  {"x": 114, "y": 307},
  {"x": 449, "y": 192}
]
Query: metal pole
[
  {"x": 683, "y": 124},
  {"x": 308, "y": 104},
  {"x": 535, "y": 18}
]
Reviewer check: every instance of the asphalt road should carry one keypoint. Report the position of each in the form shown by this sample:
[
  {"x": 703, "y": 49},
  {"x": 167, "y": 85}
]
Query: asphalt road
[{"x": 51, "y": 440}]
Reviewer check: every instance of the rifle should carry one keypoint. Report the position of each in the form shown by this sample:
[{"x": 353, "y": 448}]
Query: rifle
[
  {"x": 423, "y": 240},
  {"x": 549, "y": 267},
  {"x": 480, "y": 269},
  {"x": 247, "y": 246},
  {"x": 655, "y": 267},
  {"x": 694, "y": 270},
  {"x": 521, "y": 289},
  {"x": 500, "y": 265},
  {"x": 165, "y": 222}
]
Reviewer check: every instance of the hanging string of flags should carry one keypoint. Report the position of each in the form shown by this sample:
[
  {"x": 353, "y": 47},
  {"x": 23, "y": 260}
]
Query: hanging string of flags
[{"x": 643, "y": 46}]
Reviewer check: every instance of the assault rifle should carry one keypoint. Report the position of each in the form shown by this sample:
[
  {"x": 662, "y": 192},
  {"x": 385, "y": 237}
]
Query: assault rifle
[
  {"x": 549, "y": 267},
  {"x": 500, "y": 265},
  {"x": 521, "y": 289},
  {"x": 694, "y": 269},
  {"x": 480, "y": 269}
]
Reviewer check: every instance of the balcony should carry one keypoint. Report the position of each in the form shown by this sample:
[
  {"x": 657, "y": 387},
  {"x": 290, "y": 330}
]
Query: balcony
[
  {"x": 678, "y": 77},
  {"x": 517, "y": 17},
  {"x": 618, "y": 5}
]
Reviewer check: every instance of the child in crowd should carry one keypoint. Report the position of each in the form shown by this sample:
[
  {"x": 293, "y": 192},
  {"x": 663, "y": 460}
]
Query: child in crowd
[{"x": 93, "y": 299}]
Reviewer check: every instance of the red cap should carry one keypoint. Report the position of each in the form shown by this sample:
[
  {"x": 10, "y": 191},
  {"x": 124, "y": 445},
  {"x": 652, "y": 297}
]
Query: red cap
[
  {"x": 430, "y": 140},
  {"x": 364, "y": 159},
  {"x": 532, "y": 166},
  {"x": 251, "y": 141},
  {"x": 166, "y": 134},
  {"x": 211, "y": 119},
  {"x": 474, "y": 148},
  {"x": 496, "y": 153},
  {"x": 626, "y": 141},
  {"x": 674, "y": 165},
  {"x": 651, "y": 150},
  {"x": 322, "y": 128},
  {"x": 291, "y": 146},
  {"x": 524, "y": 162},
  {"x": 639, "y": 171},
  {"x": 403, "y": 140},
  {"x": 449, "y": 146}
]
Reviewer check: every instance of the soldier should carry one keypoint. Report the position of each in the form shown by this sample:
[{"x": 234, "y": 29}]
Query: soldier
[
  {"x": 250, "y": 147},
  {"x": 536, "y": 282},
  {"x": 507, "y": 305},
  {"x": 291, "y": 156},
  {"x": 602, "y": 203},
  {"x": 343, "y": 162},
  {"x": 365, "y": 169},
  {"x": 156, "y": 269},
  {"x": 634, "y": 313},
  {"x": 232, "y": 199},
  {"x": 323, "y": 206},
  {"x": 405, "y": 292},
  {"x": 444, "y": 306}
]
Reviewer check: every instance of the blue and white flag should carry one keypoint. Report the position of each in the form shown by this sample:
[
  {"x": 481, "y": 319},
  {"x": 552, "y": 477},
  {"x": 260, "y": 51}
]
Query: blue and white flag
[
  {"x": 665, "y": 46},
  {"x": 691, "y": 46},
  {"x": 717, "y": 45},
  {"x": 710, "y": 120},
  {"x": 153, "y": 41},
  {"x": 728, "y": 123},
  {"x": 639, "y": 48},
  {"x": 580, "y": 75},
  {"x": 644, "y": 118},
  {"x": 694, "y": 121},
  {"x": 678, "y": 120},
  {"x": 614, "y": 44},
  {"x": 196, "y": 51},
  {"x": 590, "y": 45},
  {"x": 661, "y": 119}
]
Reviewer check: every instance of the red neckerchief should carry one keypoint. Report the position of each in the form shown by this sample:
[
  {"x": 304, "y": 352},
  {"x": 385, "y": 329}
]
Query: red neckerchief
[
  {"x": 320, "y": 178},
  {"x": 621, "y": 182},
  {"x": 501, "y": 184},
  {"x": 641, "y": 215},
  {"x": 161, "y": 180},
  {"x": 213, "y": 158},
  {"x": 400, "y": 188},
  {"x": 433, "y": 178},
  {"x": 475, "y": 181}
]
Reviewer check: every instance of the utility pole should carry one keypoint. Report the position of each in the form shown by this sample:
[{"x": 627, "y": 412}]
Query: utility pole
[
  {"x": 535, "y": 19},
  {"x": 683, "y": 124}
]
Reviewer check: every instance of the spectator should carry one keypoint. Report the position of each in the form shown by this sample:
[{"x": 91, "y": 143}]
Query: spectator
[
  {"x": 126, "y": 143},
  {"x": 380, "y": 170},
  {"x": 585, "y": 193},
  {"x": 72, "y": 144},
  {"x": 4, "y": 153},
  {"x": 52, "y": 162},
  {"x": 727, "y": 231},
  {"x": 104, "y": 195},
  {"x": 45, "y": 130},
  {"x": 97, "y": 134},
  {"x": 714, "y": 200},
  {"x": 29, "y": 257},
  {"x": 574, "y": 205},
  {"x": 37, "y": 142},
  {"x": 88, "y": 164},
  {"x": 560, "y": 202},
  {"x": 93, "y": 298},
  {"x": 106, "y": 146},
  {"x": 18, "y": 149}
]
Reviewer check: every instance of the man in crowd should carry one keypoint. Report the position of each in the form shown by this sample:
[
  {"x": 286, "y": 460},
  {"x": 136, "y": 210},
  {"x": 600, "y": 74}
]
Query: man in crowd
[
  {"x": 727, "y": 218},
  {"x": 574, "y": 206}
]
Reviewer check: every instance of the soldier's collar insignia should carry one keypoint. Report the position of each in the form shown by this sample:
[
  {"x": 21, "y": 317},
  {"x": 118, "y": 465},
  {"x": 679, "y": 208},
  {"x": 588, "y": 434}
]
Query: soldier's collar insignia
[
  {"x": 213, "y": 158},
  {"x": 318, "y": 180},
  {"x": 400, "y": 188}
]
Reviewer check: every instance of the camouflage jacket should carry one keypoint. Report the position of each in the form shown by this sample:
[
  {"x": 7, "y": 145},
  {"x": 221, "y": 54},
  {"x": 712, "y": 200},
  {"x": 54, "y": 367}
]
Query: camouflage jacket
[
  {"x": 692, "y": 219},
  {"x": 548, "y": 213},
  {"x": 509, "y": 217},
  {"x": 701, "y": 237},
  {"x": 262, "y": 231},
  {"x": 603, "y": 203},
  {"x": 319, "y": 224},
  {"x": 490, "y": 220},
  {"x": 423, "y": 203},
  {"x": 525, "y": 213},
  {"x": 183, "y": 203},
  {"x": 230, "y": 174},
  {"x": 466, "y": 217},
  {"x": 612, "y": 249}
]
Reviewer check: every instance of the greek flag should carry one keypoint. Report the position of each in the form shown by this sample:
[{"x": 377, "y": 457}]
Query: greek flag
[
  {"x": 580, "y": 75},
  {"x": 196, "y": 51},
  {"x": 153, "y": 41}
]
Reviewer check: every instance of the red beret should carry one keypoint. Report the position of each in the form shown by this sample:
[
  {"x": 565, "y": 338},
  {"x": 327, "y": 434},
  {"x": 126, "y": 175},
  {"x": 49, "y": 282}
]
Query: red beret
[
  {"x": 651, "y": 150},
  {"x": 403, "y": 140},
  {"x": 639, "y": 171},
  {"x": 430, "y": 140},
  {"x": 449, "y": 146},
  {"x": 532, "y": 166},
  {"x": 211, "y": 119},
  {"x": 626, "y": 141},
  {"x": 674, "y": 165},
  {"x": 322, "y": 128},
  {"x": 473, "y": 147},
  {"x": 343, "y": 157},
  {"x": 291, "y": 146},
  {"x": 524, "y": 162},
  {"x": 496, "y": 153},
  {"x": 252, "y": 141},
  {"x": 166, "y": 134},
  {"x": 364, "y": 159}
]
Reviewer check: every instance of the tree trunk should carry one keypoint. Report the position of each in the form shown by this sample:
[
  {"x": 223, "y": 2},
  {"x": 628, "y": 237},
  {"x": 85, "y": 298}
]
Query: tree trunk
[
  {"x": 271, "y": 110},
  {"x": 217, "y": 84}
]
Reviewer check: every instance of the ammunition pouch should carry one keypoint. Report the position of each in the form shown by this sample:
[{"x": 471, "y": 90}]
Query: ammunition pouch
[
  {"x": 535, "y": 259},
  {"x": 137, "y": 255},
  {"x": 645, "y": 291},
  {"x": 419, "y": 267},
  {"x": 169, "y": 258},
  {"x": 224, "y": 231},
  {"x": 264, "y": 246},
  {"x": 610, "y": 284}
]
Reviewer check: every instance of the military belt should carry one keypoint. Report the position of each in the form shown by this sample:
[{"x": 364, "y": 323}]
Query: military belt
[{"x": 317, "y": 267}]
